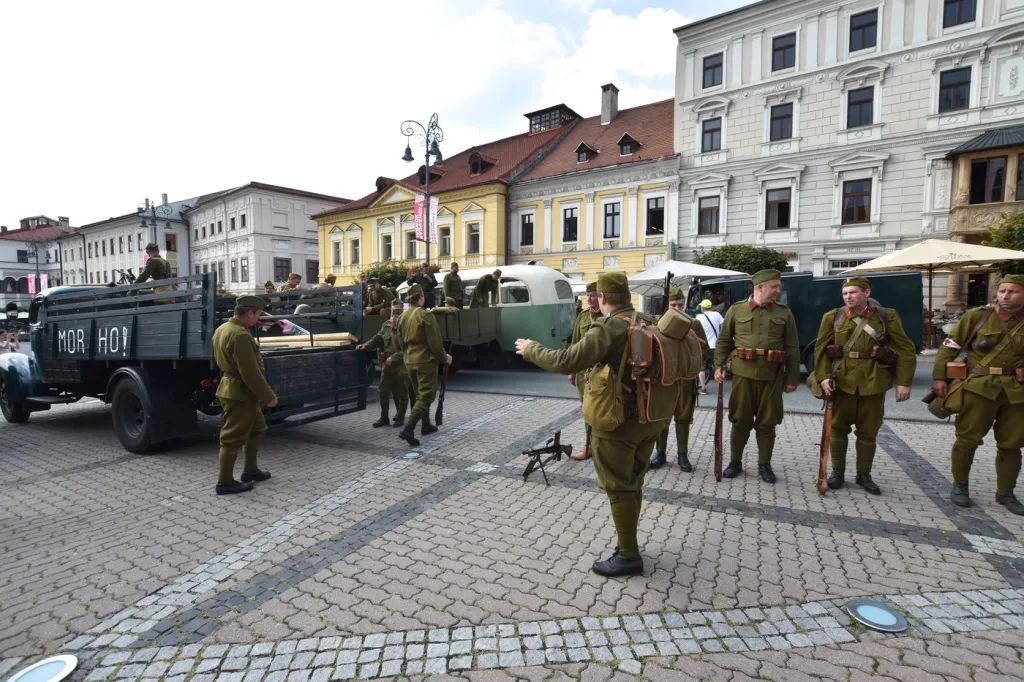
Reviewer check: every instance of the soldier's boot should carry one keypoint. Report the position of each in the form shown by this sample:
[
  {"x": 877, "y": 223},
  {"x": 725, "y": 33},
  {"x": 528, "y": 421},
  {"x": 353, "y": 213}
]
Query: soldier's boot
[
  {"x": 837, "y": 478},
  {"x": 684, "y": 462},
  {"x": 383, "y": 421},
  {"x": 250, "y": 451},
  {"x": 617, "y": 565},
  {"x": 658, "y": 460},
  {"x": 961, "y": 494},
  {"x": 734, "y": 469},
  {"x": 864, "y": 481},
  {"x": 397, "y": 421},
  {"x": 408, "y": 434},
  {"x": 233, "y": 487},
  {"x": 1009, "y": 501},
  {"x": 255, "y": 475},
  {"x": 226, "y": 483},
  {"x": 427, "y": 428},
  {"x": 766, "y": 473},
  {"x": 626, "y": 559}
]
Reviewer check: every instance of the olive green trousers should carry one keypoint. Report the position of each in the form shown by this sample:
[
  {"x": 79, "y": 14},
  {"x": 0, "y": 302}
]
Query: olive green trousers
[
  {"x": 423, "y": 382},
  {"x": 1006, "y": 421},
  {"x": 682, "y": 421},
  {"x": 754, "y": 404},
  {"x": 393, "y": 385},
  {"x": 241, "y": 428},
  {"x": 863, "y": 413}
]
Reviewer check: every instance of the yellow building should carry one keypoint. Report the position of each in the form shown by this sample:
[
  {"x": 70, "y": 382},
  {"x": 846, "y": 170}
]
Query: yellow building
[
  {"x": 605, "y": 198},
  {"x": 472, "y": 191}
]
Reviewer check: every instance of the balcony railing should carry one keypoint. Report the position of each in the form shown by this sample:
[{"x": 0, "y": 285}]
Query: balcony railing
[
  {"x": 472, "y": 259},
  {"x": 980, "y": 218}
]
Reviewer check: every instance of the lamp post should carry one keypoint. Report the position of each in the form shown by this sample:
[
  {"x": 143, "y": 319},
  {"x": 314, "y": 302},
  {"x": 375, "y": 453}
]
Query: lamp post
[
  {"x": 153, "y": 210},
  {"x": 429, "y": 136}
]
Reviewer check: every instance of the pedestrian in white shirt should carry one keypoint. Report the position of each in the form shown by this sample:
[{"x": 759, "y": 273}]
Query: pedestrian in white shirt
[{"x": 712, "y": 323}]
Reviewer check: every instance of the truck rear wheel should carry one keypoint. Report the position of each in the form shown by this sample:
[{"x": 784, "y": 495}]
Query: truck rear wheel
[
  {"x": 13, "y": 412},
  {"x": 134, "y": 430}
]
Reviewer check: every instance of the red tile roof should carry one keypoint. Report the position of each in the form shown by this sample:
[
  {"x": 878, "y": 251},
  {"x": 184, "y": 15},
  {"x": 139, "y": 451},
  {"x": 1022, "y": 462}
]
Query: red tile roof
[
  {"x": 40, "y": 234},
  {"x": 509, "y": 156},
  {"x": 650, "y": 125}
]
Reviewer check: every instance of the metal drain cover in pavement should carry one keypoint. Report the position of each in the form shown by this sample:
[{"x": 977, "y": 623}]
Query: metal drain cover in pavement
[
  {"x": 876, "y": 616},
  {"x": 528, "y": 400},
  {"x": 411, "y": 455},
  {"x": 51, "y": 669}
]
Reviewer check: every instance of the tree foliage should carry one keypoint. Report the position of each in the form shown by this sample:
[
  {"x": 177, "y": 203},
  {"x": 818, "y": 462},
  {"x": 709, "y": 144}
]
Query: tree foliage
[
  {"x": 390, "y": 273},
  {"x": 743, "y": 258},
  {"x": 1008, "y": 234}
]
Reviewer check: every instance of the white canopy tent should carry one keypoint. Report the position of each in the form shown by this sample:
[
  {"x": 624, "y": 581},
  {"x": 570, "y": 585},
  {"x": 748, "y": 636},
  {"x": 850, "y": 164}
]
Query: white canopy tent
[{"x": 652, "y": 282}]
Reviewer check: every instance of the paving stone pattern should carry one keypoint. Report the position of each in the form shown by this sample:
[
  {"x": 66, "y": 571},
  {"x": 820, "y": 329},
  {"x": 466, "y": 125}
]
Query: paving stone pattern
[{"x": 352, "y": 562}]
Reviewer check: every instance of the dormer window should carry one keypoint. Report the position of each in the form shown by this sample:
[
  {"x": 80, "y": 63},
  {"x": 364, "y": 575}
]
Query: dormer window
[
  {"x": 480, "y": 163},
  {"x": 585, "y": 153},
  {"x": 627, "y": 145},
  {"x": 625, "y": 149},
  {"x": 582, "y": 157}
]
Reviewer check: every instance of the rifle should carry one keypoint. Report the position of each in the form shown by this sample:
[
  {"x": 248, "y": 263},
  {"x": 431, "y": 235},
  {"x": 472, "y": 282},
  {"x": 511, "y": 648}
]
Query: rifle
[
  {"x": 439, "y": 412},
  {"x": 719, "y": 409},
  {"x": 554, "y": 448},
  {"x": 826, "y": 436}
]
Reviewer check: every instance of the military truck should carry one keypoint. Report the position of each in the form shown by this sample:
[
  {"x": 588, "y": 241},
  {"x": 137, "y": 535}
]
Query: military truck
[
  {"x": 810, "y": 297},
  {"x": 149, "y": 354}
]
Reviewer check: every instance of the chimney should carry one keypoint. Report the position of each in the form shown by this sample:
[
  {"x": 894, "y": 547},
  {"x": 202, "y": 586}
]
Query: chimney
[
  {"x": 3, "y": 229},
  {"x": 64, "y": 222},
  {"x": 609, "y": 103},
  {"x": 164, "y": 197}
]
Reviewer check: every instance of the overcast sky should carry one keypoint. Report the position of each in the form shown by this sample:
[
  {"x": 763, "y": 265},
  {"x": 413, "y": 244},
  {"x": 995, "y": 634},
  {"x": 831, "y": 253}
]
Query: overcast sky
[{"x": 107, "y": 103}]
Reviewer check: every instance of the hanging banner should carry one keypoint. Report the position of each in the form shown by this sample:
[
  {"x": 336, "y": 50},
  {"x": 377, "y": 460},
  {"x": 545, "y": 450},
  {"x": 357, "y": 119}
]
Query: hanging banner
[
  {"x": 44, "y": 281},
  {"x": 433, "y": 220},
  {"x": 32, "y": 285},
  {"x": 417, "y": 216}
]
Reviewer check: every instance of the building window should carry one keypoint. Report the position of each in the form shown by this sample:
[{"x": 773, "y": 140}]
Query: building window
[
  {"x": 206, "y": 268},
  {"x": 90, "y": 249},
  {"x": 120, "y": 245},
  {"x": 713, "y": 70},
  {"x": 1020, "y": 181},
  {"x": 197, "y": 270},
  {"x": 22, "y": 256},
  {"x": 863, "y": 30},
  {"x": 410, "y": 245},
  {"x": 129, "y": 244},
  {"x": 612, "y": 220},
  {"x": 777, "y": 209},
  {"x": 337, "y": 253},
  {"x": 104, "y": 242},
  {"x": 242, "y": 217},
  {"x": 445, "y": 238},
  {"x": 170, "y": 242},
  {"x": 711, "y": 140},
  {"x": 955, "y": 89},
  {"x": 836, "y": 267},
  {"x": 282, "y": 268},
  {"x": 781, "y": 122},
  {"x": 204, "y": 231},
  {"x": 140, "y": 241},
  {"x": 860, "y": 105},
  {"x": 197, "y": 233},
  {"x": 570, "y": 224},
  {"x": 312, "y": 271},
  {"x": 79, "y": 253},
  {"x": 234, "y": 270},
  {"x": 656, "y": 216},
  {"x": 988, "y": 180},
  {"x": 211, "y": 230},
  {"x": 784, "y": 52},
  {"x": 354, "y": 247},
  {"x": 582, "y": 156},
  {"x": 856, "y": 202},
  {"x": 707, "y": 215},
  {"x": 473, "y": 245},
  {"x": 625, "y": 149},
  {"x": 956, "y": 12},
  {"x": 220, "y": 227},
  {"x": 231, "y": 223},
  {"x": 386, "y": 248},
  {"x": 245, "y": 269},
  {"x": 526, "y": 231},
  {"x": 220, "y": 272},
  {"x": 111, "y": 246}
]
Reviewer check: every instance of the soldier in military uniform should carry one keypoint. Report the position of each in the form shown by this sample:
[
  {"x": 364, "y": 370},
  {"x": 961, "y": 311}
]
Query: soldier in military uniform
[
  {"x": 448, "y": 307},
  {"x": 393, "y": 380},
  {"x": 425, "y": 278},
  {"x": 452, "y": 286},
  {"x": 329, "y": 281},
  {"x": 993, "y": 393},
  {"x": 677, "y": 301},
  {"x": 243, "y": 386},
  {"x": 378, "y": 299},
  {"x": 422, "y": 350},
  {"x": 766, "y": 362},
  {"x": 854, "y": 346},
  {"x": 268, "y": 287},
  {"x": 156, "y": 268},
  {"x": 584, "y": 320},
  {"x": 621, "y": 457},
  {"x": 294, "y": 280},
  {"x": 485, "y": 292}
]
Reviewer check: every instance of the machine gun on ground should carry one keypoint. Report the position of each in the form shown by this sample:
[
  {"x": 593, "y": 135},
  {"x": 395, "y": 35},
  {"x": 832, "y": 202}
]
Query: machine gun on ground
[{"x": 554, "y": 448}]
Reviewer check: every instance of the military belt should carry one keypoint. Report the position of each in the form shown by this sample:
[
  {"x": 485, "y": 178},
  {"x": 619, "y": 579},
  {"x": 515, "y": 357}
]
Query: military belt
[
  {"x": 750, "y": 353},
  {"x": 856, "y": 355},
  {"x": 996, "y": 371}
]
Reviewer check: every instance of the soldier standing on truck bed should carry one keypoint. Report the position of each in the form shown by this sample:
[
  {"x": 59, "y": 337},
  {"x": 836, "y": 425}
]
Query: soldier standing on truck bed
[
  {"x": 485, "y": 292},
  {"x": 156, "y": 268},
  {"x": 243, "y": 386},
  {"x": 393, "y": 380},
  {"x": 422, "y": 350},
  {"x": 453, "y": 288},
  {"x": 294, "y": 280}
]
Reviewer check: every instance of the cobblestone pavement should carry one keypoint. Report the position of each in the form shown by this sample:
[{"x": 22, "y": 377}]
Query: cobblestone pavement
[{"x": 354, "y": 562}]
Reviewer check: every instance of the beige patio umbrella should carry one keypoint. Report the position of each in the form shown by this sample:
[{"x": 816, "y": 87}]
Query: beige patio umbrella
[{"x": 937, "y": 255}]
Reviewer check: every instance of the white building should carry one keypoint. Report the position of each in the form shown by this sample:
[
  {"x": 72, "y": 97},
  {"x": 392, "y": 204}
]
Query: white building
[
  {"x": 257, "y": 232},
  {"x": 821, "y": 128},
  {"x": 24, "y": 252}
]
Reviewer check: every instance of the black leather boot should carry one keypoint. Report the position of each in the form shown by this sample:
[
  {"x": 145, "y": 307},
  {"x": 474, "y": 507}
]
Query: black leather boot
[
  {"x": 864, "y": 481},
  {"x": 398, "y": 421},
  {"x": 766, "y": 473},
  {"x": 255, "y": 475},
  {"x": 427, "y": 428},
  {"x": 836, "y": 479},
  {"x": 733, "y": 470},
  {"x": 1009, "y": 501},
  {"x": 617, "y": 565},
  {"x": 658, "y": 460},
  {"x": 383, "y": 421},
  {"x": 233, "y": 487},
  {"x": 408, "y": 434},
  {"x": 684, "y": 462},
  {"x": 961, "y": 495}
]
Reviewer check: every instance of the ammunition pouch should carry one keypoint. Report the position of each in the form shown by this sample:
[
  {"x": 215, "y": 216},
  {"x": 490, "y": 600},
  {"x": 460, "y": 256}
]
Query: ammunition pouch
[
  {"x": 771, "y": 355},
  {"x": 834, "y": 351},
  {"x": 956, "y": 370},
  {"x": 776, "y": 356},
  {"x": 746, "y": 353}
]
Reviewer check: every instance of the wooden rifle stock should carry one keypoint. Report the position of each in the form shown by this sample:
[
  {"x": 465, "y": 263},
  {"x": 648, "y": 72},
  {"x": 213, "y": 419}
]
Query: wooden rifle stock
[
  {"x": 826, "y": 436},
  {"x": 719, "y": 409},
  {"x": 439, "y": 412}
]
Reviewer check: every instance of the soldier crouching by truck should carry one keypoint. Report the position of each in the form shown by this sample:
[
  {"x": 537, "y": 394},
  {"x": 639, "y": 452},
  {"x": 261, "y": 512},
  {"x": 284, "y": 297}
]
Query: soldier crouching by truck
[
  {"x": 242, "y": 388},
  {"x": 393, "y": 380}
]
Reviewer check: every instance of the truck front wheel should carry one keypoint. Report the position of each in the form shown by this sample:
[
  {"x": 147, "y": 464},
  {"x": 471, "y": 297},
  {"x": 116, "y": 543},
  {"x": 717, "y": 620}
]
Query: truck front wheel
[
  {"x": 13, "y": 412},
  {"x": 133, "y": 428}
]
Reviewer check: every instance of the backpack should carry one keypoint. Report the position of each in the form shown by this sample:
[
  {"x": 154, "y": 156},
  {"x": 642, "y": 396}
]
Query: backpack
[{"x": 663, "y": 357}]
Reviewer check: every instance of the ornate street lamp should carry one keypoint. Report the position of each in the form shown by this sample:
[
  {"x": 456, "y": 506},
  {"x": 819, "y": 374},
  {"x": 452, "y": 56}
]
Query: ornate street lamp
[
  {"x": 154, "y": 211},
  {"x": 428, "y": 136}
]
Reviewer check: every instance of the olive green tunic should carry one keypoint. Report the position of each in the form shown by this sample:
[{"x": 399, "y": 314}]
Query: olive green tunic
[
  {"x": 685, "y": 416},
  {"x": 379, "y": 301},
  {"x": 422, "y": 351},
  {"x": 993, "y": 403},
  {"x": 859, "y": 402},
  {"x": 584, "y": 320},
  {"x": 393, "y": 380},
  {"x": 156, "y": 268},
  {"x": 757, "y": 385},
  {"x": 485, "y": 292},
  {"x": 453, "y": 288},
  {"x": 622, "y": 456}
]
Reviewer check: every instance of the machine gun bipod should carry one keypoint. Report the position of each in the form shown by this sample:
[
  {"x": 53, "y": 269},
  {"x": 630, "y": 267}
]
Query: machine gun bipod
[{"x": 554, "y": 448}]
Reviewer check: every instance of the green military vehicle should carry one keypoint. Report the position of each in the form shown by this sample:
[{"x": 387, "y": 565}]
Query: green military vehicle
[{"x": 810, "y": 297}]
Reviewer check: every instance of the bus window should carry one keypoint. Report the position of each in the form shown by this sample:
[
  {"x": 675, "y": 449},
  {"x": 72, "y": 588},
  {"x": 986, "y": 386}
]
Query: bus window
[
  {"x": 514, "y": 291},
  {"x": 563, "y": 290}
]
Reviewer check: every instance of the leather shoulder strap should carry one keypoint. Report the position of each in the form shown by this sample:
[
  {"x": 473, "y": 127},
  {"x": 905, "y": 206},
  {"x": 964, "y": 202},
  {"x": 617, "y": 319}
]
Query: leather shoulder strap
[{"x": 981, "y": 323}]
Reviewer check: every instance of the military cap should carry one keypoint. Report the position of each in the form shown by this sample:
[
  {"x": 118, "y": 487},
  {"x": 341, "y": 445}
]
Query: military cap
[
  {"x": 245, "y": 303},
  {"x": 613, "y": 283},
  {"x": 454, "y": 264},
  {"x": 152, "y": 247},
  {"x": 592, "y": 287},
  {"x": 706, "y": 304},
  {"x": 449, "y": 301},
  {"x": 294, "y": 275},
  {"x": 762, "y": 276},
  {"x": 497, "y": 273},
  {"x": 268, "y": 283},
  {"x": 330, "y": 278},
  {"x": 861, "y": 282},
  {"x": 413, "y": 290},
  {"x": 1013, "y": 279},
  {"x": 397, "y": 305},
  {"x": 675, "y": 295},
  {"x": 373, "y": 280}
]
